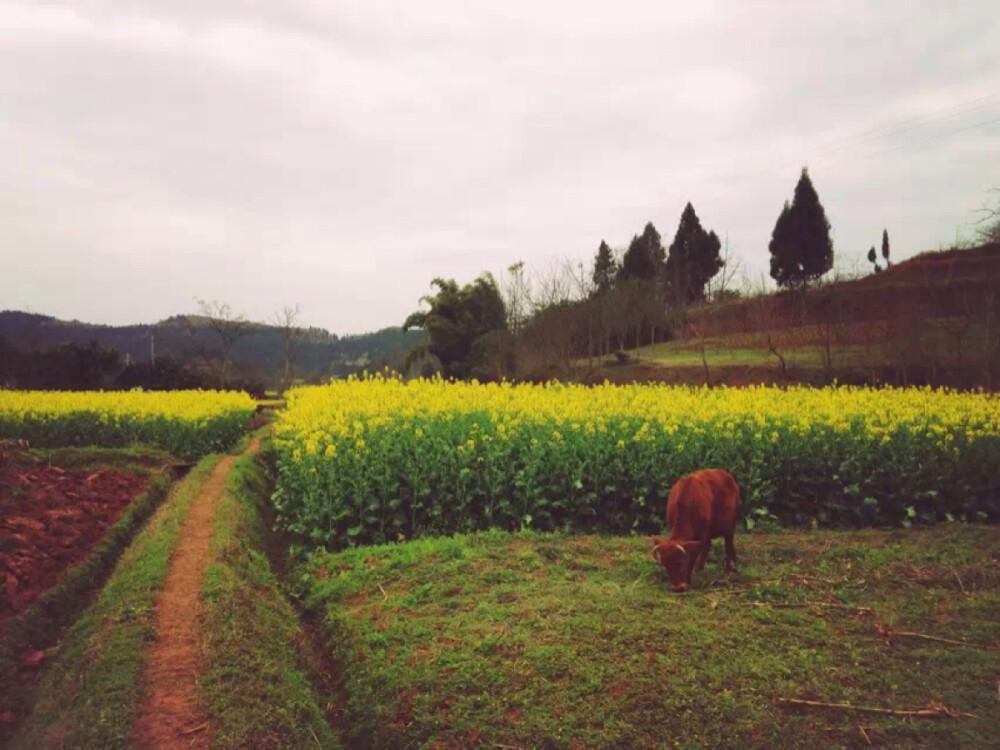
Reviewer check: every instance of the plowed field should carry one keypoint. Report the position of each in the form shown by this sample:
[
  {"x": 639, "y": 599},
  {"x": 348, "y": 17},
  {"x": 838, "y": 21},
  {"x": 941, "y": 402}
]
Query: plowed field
[{"x": 49, "y": 519}]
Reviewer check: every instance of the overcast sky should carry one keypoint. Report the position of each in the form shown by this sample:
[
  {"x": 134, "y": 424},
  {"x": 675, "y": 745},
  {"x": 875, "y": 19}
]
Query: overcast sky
[{"x": 342, "y": 154}]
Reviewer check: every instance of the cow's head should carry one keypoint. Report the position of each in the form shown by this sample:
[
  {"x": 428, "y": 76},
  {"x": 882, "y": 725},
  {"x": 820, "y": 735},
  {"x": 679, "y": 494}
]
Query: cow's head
[{"x": 677, "y": 558}]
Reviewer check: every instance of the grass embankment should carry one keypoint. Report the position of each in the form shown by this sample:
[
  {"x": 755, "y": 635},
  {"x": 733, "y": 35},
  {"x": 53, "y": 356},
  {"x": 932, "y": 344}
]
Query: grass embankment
[
  {"x": 131, "y": 458},
  {"x": 722, "y": 353},
  {"x": 256, "y": 688},
  {"x": 846, "y": 347},
  {"x": 533, "y": 640},
  {"x": 87, "y": 696}
]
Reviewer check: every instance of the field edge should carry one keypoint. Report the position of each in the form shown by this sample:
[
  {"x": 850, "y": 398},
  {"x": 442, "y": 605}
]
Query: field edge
[
  {"x": 86, "y": 695},
  {"x": 39, "y": 627},
  {"x": 258, "y": 678}
]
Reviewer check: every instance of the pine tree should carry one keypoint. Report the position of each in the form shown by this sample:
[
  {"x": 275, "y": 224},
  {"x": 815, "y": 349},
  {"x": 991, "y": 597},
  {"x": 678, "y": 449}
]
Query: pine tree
[
  {"x": 802, "y": 250},
  {"x": 644, "y": 258},
  {"x": 693, "y": 259},
  {"x": 873, "y": 259},
  {"x": 605, "y": 268},
  {"x": 885, "y": 247},
  {"x": 782, "y": 263}
]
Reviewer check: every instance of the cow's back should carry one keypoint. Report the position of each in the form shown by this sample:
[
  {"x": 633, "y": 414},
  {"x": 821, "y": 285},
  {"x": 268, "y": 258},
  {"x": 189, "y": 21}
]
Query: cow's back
[
  {"x": 704, "y": 500},
  {"x": 725, "y": 500},
  {"x": 689, "y": 507}
]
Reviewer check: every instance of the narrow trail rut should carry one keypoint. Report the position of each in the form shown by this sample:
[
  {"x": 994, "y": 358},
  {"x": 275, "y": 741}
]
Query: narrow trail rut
[{"x": 170, "y": 714}]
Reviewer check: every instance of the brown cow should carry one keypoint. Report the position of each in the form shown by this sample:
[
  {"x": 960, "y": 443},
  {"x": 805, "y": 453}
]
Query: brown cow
[{"x": 701, "y": 506}]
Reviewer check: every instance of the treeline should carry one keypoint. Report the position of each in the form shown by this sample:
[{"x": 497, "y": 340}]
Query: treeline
[
  {"x": 539, "y": 329},
  {"x": 215, "y": 349},
  {"x": 85, "y": 367}
]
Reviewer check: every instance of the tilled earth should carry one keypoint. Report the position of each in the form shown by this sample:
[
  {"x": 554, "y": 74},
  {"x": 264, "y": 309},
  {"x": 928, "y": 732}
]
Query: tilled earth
[{"x": 49, "y": 519}]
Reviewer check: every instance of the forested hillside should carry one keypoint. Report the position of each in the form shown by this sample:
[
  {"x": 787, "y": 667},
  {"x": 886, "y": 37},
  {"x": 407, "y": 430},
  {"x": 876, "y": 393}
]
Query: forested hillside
[{"x": 195, "y": 342}]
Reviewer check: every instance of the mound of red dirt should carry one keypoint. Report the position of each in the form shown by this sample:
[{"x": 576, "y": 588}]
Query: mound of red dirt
[
  {"x": 928, "y": 286},
  {"x": 49, "y": 519}
]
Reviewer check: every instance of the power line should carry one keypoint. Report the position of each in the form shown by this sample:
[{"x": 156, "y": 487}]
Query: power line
[
  {"x": 918, "y": 121},
  {"x": 933, "y": 138},
  {"x": 776, "y": 165},
  {"x": 823, "y": 152},
  {"x": 924, "y": 119}
]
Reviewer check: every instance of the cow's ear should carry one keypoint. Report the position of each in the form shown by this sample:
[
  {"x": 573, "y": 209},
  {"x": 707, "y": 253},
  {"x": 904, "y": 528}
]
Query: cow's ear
[{"x": 656, "y": 541}]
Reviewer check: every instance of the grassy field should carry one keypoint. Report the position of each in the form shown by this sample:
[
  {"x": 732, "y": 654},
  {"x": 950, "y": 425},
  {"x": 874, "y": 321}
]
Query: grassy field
[
  {"x": 740, "y": 352},
  {"x": 718, "y": 353},
  {"x": 534, "y": 640},
  {"x": 951, "y": 341}
]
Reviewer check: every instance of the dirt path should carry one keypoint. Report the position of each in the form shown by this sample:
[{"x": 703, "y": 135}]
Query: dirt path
[{"x": 170, "y": 715}]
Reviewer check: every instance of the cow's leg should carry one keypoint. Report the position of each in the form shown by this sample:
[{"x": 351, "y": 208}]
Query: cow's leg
[
  {"x": 703, "y": 554},
  {"x": 730, "y": 552}
]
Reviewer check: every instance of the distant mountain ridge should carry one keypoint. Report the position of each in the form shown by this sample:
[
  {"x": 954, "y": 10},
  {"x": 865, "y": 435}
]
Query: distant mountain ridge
[{"x": 258, "y": 353}]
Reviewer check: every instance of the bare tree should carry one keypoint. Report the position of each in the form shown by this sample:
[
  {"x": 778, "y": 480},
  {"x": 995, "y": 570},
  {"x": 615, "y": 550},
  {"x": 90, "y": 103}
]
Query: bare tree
[
  {"x": 724, "y": 283},
  {"x": 516, "y": 295},
  {"x": 286, "y": 319},
  {"x": 515, "y": 291},
  {"x": 964, "y": 310},
  {"x": 831, "y": 312},
  {"x": 702, "y": 321},
  {"x": 846, "y": 267},
  {"x": 553, "y": 317},
  {"x": 583, "y": 292},
  {"x": 991, "y": 347},
  {"x": 764, "y": 313},
  {"x": 558, "y": 325},
  {"x": 229, "y": 326},
  {"x": 989, "y": 221},
  {"x": 554, "y": 285}
]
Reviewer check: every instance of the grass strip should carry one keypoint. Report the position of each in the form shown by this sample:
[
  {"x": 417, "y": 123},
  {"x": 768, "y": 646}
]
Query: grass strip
[
  {"x": 257, "y": 689},
  {"x": 134, "y": 457},
  {"x": 88, "y": 696},
  {"x": 548, "y": 640}
]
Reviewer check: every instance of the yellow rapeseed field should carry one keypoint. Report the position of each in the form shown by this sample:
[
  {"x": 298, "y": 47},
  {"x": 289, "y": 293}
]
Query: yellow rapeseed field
[
  {"x": 186, "y": 423},
  {"x": 379, "y": 458}
]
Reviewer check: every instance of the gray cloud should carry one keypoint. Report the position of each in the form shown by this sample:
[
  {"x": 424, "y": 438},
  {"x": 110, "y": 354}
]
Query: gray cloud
[{"x": 341, "y": 155}]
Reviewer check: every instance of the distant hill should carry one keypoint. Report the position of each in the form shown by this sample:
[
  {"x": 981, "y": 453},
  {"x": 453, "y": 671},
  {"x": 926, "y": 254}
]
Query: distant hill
[
  {"x": 939, "y": 284},
  {"x": 931, "y": 319},
  {"x": 258, "y": 354}
]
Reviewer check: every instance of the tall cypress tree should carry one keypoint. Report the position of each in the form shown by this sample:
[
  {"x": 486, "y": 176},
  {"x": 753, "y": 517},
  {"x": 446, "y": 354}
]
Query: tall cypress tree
[
  {"x": 873, "y": 259},
  {"x": 782, "y": 262},
  {"x": 692, "y": 260},
  {"x": 605, "y": 268},
  {"x": 644, "y": 258},
  {"x": 885, "y": 247},
  {"x": 802, "y": 250}
]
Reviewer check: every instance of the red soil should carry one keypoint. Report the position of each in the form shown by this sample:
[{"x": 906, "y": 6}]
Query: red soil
[
  {"x": 930, "y": 285},
  {"x": 49, "y": 519}
]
